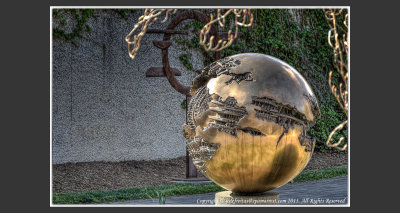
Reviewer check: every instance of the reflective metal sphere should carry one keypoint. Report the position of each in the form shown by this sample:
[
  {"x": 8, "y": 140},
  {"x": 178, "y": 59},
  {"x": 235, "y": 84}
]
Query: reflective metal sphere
[{"x": 247, "y": 123}]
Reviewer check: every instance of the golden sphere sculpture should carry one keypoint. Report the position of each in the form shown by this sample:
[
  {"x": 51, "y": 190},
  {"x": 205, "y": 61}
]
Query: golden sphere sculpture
[{"x": 247, "y": 122}]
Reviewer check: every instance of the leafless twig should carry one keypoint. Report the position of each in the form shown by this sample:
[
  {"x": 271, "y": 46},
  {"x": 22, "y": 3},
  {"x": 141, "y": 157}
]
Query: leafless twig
[
  {"x": 243, "y": 18},
  {"x": 340, "y": 46},
  {"x": 149, "y": 17},
  {"x": 246, "y": 19}
]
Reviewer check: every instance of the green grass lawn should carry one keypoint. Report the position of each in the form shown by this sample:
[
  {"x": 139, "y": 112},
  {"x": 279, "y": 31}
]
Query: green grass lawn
[{"x": 160, "y": 192}]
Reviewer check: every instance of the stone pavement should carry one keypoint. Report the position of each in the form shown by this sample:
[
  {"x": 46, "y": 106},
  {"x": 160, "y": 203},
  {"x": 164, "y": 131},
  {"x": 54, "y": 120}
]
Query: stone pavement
[{"x": 331, "y": 191}]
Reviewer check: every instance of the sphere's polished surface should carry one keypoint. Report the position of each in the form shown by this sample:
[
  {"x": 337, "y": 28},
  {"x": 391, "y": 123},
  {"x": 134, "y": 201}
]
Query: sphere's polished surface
[{"x": 247, "y": 122}]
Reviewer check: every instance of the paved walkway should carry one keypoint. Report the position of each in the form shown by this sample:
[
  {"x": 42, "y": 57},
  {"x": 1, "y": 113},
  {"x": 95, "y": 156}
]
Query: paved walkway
[{"x": 331, "y": 191}]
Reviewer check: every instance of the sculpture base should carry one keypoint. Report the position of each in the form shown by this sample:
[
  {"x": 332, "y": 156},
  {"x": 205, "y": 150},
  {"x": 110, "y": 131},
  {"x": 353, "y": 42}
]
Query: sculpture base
[{"x": 229, "y": 198}]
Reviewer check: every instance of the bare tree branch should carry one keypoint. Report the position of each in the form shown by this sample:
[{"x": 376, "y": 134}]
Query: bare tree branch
[
  {"x": 242, "y": 17},
  {"x": 149, "y": 17},
  {"x": 340, "y": 45},
  {"x": 208, "y": 41}
]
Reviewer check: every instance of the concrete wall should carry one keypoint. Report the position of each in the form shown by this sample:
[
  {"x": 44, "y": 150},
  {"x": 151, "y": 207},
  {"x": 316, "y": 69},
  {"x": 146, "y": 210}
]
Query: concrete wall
[{"x": 104, "y": 108}]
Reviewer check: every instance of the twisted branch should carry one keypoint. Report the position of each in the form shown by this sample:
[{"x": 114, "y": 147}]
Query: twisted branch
[
  {"x": 336, "y": 145},
  {"x": 149, "y": 17},
  {"x": 208, "y": 41},
  {"x": 340, "y": 46}
]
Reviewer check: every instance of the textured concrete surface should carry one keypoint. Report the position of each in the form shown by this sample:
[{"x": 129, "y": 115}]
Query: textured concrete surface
[
  {"x": 104, "y": 108},
  {"x": 331, "y": 191}
]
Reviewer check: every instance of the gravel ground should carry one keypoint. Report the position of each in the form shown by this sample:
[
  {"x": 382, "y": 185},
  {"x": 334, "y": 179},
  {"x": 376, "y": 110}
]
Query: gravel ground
[{"x": 78, "y": 177}]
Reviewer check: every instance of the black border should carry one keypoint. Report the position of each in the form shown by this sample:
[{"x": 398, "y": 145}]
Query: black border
[{"x": 27, "y": 60}]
